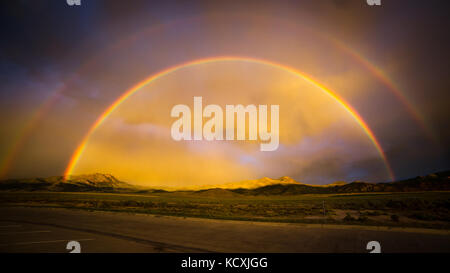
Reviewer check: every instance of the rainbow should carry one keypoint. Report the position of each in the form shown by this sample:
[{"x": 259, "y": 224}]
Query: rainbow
[
  {"x": 24, "y": 133},
  {"x": 44, "y": 108},
  {"x": 81, "y": 147},
  {"x": 383, "y": 78}
]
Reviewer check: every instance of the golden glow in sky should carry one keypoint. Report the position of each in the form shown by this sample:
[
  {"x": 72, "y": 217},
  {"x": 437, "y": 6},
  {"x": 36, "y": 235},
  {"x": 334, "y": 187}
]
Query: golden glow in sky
[{"x": 134, "y": 143}]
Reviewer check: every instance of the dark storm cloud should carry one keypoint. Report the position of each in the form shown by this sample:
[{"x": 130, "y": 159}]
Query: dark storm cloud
[
  {"x": 45, "y": 35},
  {"x": 45, "y": 42},
  {"x": 415, "y": 36},
  {"x": 319, "y": 171},
  {"x": 412, "y": 157},
  {"x": 333, "y": 168},
  {"x": 40, "y": 32}
]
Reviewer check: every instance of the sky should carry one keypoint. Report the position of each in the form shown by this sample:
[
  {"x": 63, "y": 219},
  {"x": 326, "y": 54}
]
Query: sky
[{"x": 62, "y": 66}]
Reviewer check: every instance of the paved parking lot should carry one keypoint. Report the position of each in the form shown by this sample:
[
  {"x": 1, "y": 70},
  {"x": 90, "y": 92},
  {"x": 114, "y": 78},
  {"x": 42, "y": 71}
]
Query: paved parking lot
[
  {"x": 50, "y": 229},
  {"x": 30, "y": 238}
]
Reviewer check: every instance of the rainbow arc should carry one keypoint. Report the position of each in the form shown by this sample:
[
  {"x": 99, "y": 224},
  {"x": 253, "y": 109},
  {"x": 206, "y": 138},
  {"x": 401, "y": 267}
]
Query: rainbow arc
[{"x": 354, "y": 114}]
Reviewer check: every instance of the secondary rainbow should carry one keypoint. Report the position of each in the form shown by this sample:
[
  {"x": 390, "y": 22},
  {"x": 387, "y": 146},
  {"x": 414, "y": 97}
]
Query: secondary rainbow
[
  {"x": 81, "y": 147},
  {"x": 389, "y": 83},
  {"x": 29, "y": 127}
]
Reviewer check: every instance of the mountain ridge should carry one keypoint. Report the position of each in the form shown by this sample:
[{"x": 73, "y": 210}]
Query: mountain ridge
[{"x": 285, "y": 185}]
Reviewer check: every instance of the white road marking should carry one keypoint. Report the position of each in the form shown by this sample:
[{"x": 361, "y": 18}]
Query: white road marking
[{"x": 46, "y": 242}]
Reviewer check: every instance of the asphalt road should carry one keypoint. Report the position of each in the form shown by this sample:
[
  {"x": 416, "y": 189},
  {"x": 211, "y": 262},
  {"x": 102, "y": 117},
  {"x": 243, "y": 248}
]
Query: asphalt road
[{"x": 49, "y": 230}]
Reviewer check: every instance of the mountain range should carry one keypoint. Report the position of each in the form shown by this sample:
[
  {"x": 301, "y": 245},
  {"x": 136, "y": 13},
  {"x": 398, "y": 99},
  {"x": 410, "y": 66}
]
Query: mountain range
[{"x": 265, "y": 186}]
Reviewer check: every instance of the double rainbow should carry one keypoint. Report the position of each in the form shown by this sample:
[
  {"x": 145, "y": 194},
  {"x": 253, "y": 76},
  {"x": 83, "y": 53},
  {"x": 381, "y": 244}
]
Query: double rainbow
[{"x": 26, "y": 131}]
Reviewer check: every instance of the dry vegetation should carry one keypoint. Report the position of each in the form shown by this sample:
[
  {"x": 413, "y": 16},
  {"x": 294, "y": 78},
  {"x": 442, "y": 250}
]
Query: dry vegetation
[{"x": 412, "y": 209}]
